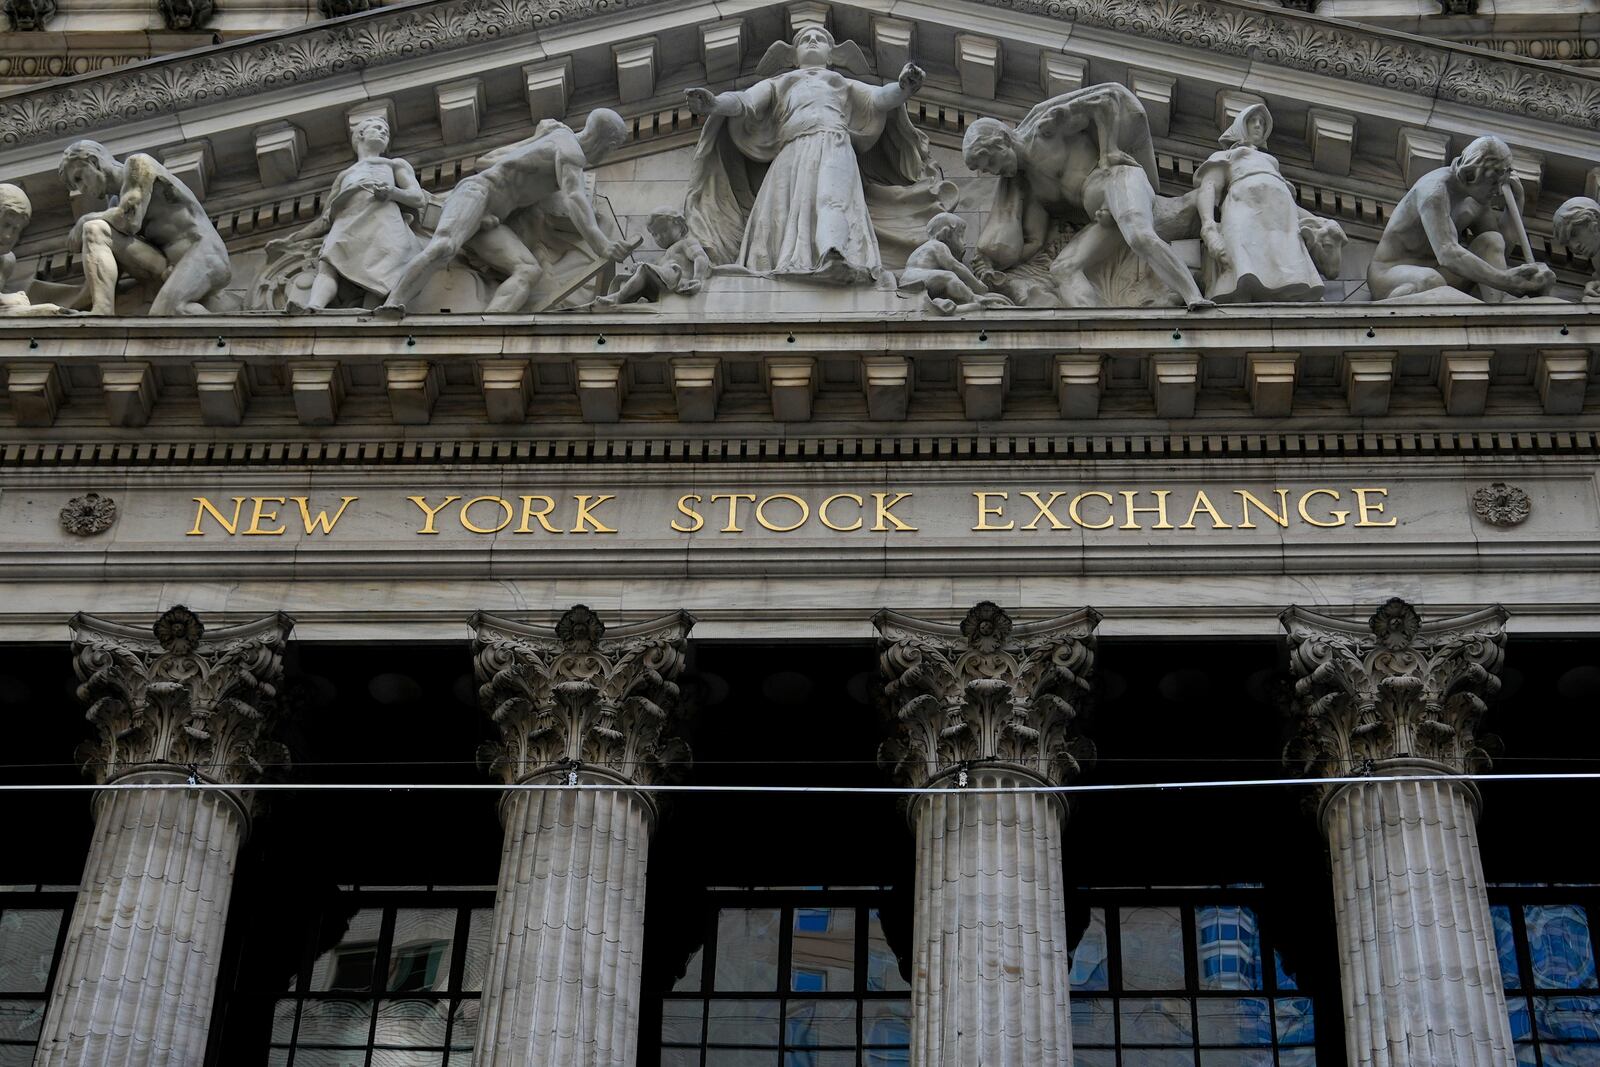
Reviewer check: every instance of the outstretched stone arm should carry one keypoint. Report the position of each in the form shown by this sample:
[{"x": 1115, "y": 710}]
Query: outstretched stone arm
[
  {"x": 573, "y": 200},
  {"x": 891, "y": 95},
  {"x": 408, "y": 191}
]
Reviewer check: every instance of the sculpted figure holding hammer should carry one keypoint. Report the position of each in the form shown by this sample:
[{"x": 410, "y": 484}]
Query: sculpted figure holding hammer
[
  {"x": 157, "y": 231},
  {"x": 543, "y": 171},
  {"x": 1449, "y": 234}
]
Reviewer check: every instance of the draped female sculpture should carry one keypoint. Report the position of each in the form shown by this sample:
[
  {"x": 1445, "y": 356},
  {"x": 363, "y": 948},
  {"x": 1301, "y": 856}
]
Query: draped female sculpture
[{"x": 845, "y": 170}]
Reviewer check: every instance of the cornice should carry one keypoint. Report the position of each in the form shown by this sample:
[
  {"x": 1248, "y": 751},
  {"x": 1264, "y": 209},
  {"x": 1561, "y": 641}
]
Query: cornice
[{"x": 375, "y": 39}]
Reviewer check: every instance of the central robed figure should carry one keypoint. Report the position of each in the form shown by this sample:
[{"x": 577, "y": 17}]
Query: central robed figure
[{"x": 810, "y": 174}]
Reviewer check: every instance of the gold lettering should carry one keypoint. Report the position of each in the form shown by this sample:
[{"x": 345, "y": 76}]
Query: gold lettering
[
  {"x": 885, "y": 515},
  {"x": 1246, "y": 498},
  {"x": 985, "y": 510},
  {"x": 529, "y": 513},
  {"x": 1376, "y": 508},
  {"x": 822, "y": 512},
  {"x": 761, "y": 517},
  {"x": 321, "y": 523},
  {"x": 431, "y": 513},
  {"x": 1203, "y": 503},
  {"x": 467, "y": 523},
  {"x": 1044, "y": 511},
  {"x": 691, "y": 513},
  {"x": 1339, "y": 516},
  {"x": 205, "y": 506},
  {"x": 259, "y": 514},
  {"x": 733, "y": 509},
  {"x": 1072, "y": 510},
  {"x": 1160, "y": 509},
  {"x": 585, "y": 514}
]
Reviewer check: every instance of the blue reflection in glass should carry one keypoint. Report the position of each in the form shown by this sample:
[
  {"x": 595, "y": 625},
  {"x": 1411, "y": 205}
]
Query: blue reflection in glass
[
  {"x": 1521, "y": 1019},
  {"x": 1089, "y": 959},
  {"x": 1228, "y": 947},
  {"x": 1296, "y": 1021},
  {"x": 1558, "y": 942},
  {"x": 1568, "y": 1018},
  {"x": 1505, "y": 947}
]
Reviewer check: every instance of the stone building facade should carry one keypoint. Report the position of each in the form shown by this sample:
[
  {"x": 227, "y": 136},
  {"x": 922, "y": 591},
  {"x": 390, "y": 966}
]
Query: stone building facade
[{"x": 523, "y": 482}]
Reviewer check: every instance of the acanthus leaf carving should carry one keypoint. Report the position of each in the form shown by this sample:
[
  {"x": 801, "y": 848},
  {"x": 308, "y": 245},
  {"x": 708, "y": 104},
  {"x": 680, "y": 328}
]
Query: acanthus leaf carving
[
  {"x": 986, "y": 691},
  {"x": 178, "y": 697},
  {"x": 570, "y": 697},
  {"x": 1395, "y": 688}
]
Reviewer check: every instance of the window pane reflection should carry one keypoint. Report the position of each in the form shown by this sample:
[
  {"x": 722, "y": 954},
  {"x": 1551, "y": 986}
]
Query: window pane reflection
[
  {"x": 823, "y": 951},
  {"x": 20, "y": 1020},
  {"x": 1156, "y": 1021},
  {"x": 747, "y": 949},
  {"x": 1246, "y": 1021},
  {"x": 1152, "y": 948},
  {"x": 419, "y": 956},
  {"x": 1505, "y": 947},
  {"x": 1567, "y": 1018},
  {"x": 883, "y": 969},
  {"x": 349, "y": 963},
  {"x": 886, "y": 1022},
  {"x": 1227, "y": 948},
  {"x": 27, "y": 948},
  {"x": 411, "y": 1022},
  {"x": 689, "y": 982},
  {"x": 335, "y": 1022},
  {"x": 1091, "y": 960},
  {"x": 1092, "y": 1022},
  {"x": 742, "y": 1022},
  {"x": 820, "y": 1022},
  {"x": 477, "y": 961},
  {"x": 1558, "y": 943}
]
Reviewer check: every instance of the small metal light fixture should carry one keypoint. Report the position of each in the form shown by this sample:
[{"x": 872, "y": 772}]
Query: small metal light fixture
[
  {"x": 1177, "y": 334},
  {"x": 600, "y": 340},
  {"x": 789, "y": 339},
  {"x": 983, "y": 337},
  {"x": 1564, "y": 330},
  {"x": 33, "y": 342},
  {"x": 1371, "y": 332},
  {"x": 221, "y": 341},
  {"x": 411, "y": 341}
]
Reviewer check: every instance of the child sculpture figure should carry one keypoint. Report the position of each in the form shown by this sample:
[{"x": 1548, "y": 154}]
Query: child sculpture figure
[
  {"x": 935, "y": 267},
  {"x": 682, "y": 269},
  {"x": 15, "y": 213}
]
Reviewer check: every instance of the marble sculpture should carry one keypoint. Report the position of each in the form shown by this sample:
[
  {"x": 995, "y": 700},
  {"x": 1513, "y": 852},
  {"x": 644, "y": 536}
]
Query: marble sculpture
[
  {"x": 683, "y": 267},
  {"x": 1448, "y": 236},
  {"x": 845, "y": 172},
  {"x": 363, "y": 236},
  {"x": 1577, "y": 225},
  {"x": 16, "y": 211},
  {"x": 1261, "y": 246},
  {"x": 935, "y": 268},
  {"x": 809, "y": 176},
  {"x": 543, "y": 173},
  {"x": 157, "y": 231}
]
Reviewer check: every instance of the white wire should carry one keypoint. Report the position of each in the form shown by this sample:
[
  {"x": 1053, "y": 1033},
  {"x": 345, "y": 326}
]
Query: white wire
[{"x": 541, "y": 787}]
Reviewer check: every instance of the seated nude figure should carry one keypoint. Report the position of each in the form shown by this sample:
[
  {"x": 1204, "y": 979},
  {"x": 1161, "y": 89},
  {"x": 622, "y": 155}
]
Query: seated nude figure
[
  {"x": 157, "y": 231},
  {"x": 683, "y": 267},
  {"x": 1085, "y": 157},
  {"x": 1449, "y": 233},
  {"x": 543, "y": 170},
  {"x": 935, "y": 267},
  {"x": 16, "y": 211}
]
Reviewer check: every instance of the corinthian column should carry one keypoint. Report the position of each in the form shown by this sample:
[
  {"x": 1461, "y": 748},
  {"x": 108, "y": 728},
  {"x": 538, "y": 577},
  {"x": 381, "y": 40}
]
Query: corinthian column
[
  {"x": 139, "y": 971},
  {"x": 988, "y": 704},
  {"x": 573, "y": 706},
  {"x": 1393, "y": 697}
]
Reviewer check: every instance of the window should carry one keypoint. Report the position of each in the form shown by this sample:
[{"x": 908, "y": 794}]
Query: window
[
  {"x": 789, "y": 979},
  {"x": 33, "y": 927},
  {"x": 1545, "y": 938},
  {"x": 390, "y": 979},
  {"x": 1159, "y": 981}
]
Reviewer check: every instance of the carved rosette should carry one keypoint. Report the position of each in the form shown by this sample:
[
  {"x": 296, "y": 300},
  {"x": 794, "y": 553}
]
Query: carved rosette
[
  {"x": 578, "y": 697},
  {"x": 1500, "y": 504},
  {"x": 1392, "y": 688},
  {"x": 988, "y": 691},
  {"x": 179, "y": 697},
  {"x": 89, "y": 514}
]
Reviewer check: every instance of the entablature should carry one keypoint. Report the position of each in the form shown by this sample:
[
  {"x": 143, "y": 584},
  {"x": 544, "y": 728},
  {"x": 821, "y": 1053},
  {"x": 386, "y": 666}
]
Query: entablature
[{"x": 1249, "y": 369}]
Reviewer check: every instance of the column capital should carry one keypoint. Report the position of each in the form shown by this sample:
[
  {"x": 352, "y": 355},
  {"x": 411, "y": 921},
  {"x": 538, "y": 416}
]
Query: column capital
[
  {"x": 579, "y": 696},
  {"x": 1392, "y": 688},
  {"x": 177, "y": 696},
  {"x": 986, "y": 691}
]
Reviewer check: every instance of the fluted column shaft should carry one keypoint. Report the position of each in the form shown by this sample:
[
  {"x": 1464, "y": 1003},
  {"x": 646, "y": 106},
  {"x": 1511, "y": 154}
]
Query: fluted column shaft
[
  {"x": 1417, "y": 960},
  {"x": 139, "y": 971},
  {"x": 990, "y": 977},
  {"x": 568, "y": 932}
]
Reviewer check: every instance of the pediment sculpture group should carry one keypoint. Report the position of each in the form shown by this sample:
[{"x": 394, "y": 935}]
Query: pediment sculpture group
[{"x": 810, "y": 177}]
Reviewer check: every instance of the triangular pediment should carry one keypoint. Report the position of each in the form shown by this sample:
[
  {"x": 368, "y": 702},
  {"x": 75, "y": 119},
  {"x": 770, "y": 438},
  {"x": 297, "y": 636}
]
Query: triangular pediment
[{"x": 262, "y": 124}]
